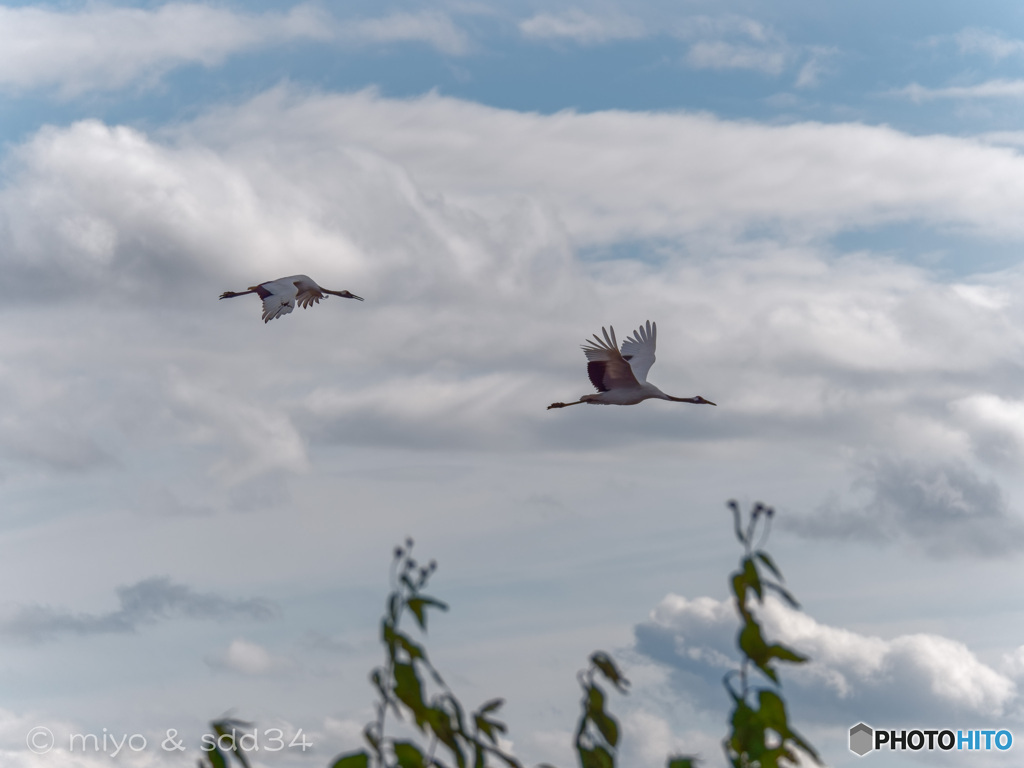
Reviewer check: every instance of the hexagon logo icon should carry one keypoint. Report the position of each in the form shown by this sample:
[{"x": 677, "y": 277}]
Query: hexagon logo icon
[{"x": 861, "y": 738}]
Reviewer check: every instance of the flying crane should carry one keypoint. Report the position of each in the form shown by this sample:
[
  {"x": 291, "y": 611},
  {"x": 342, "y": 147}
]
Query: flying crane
[
  {"x": 280, "y": 296},
  {"x": 621, "y": 377}
]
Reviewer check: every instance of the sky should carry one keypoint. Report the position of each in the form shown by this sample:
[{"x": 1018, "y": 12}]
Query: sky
[{"x": 818, "y": 204}]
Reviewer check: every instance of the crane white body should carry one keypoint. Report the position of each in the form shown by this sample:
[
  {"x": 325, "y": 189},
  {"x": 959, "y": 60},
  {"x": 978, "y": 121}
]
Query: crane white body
[
  {"x": 280, "y": 296},
  {"x": 620, "y": 377}
]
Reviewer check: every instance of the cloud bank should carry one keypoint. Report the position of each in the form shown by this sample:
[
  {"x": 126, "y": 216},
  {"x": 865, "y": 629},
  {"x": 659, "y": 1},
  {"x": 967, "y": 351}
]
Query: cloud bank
[
  {"x": 944, "y": 509},
  {"x": 146, "y": 602},
  {"x": 106, "y": 48},
  {"x": 917, "y": 678}
]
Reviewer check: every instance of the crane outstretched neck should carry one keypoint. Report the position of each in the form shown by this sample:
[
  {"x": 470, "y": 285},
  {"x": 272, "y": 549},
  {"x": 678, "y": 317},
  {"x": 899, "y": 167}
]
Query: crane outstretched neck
[
  {"x": 343, "y": 294},
  {"x": 698, "y": 400}
]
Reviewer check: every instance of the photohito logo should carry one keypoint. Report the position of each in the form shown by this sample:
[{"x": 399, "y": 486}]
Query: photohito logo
[{"x": 865, "y": 739}]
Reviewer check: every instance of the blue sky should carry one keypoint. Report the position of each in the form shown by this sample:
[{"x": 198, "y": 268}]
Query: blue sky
[
  {"x": 818, "y": 205},
  {"x": 867, "y": 54}
]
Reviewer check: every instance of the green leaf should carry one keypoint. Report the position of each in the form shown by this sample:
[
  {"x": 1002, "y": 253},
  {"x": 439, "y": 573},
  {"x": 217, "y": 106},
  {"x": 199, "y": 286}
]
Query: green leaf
[
  {"x": 609, "y": 669},
  {"x": 441, "y": 724},
  {"x": 769, "y": 564},
  {"x": 753, "y": 578},
  {"x": 595, "y": 701},
  {"x": 753, "y": 645},
  {"x": 456, "y": 711},
  {"x": 785, "y": 654},
  {"x": 773, "y": 712},
  {"x": 488, "y": 727},
  {"x": 408, "y": 755},
  {"x": 491, "y": 706},
  {"x": 608, "y": 727},
  {"x": 409, "y": 691},
  {"x": 784, "y": 594},
  {"x": 745, "y": 729},
  {"x": 436, "y": 675},
  {"x": 605, "y": 723},
  {"x": 800, "y": 742},
  {"x": 354, "y": 760},
  {"x": 682, "y": 761},
  {"x": 510, "y": 761},
  {"x": 228, "y": 727},
  {"x": 387, "y": 636},
  {"x": 417, "y": 606},
  {"x": 393, "y": 638},
  {"x": 739, "y": 589},
  {"x": 216, "y": 758},
  {"x": 598, "y": 757}
]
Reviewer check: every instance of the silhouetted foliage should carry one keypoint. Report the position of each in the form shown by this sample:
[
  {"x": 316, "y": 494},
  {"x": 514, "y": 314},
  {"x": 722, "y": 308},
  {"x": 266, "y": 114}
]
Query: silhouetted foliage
[
  {"x": 225, "y": 740},
  {"x": 761, "y": 736},
  {"x": 410, "y": 688},
  {"x": 401, "y": 690},
  {"x": 597, "y": 734}
]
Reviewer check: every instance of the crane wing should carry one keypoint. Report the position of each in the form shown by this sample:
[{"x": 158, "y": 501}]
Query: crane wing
[
  {"x": 275, "y": 305},
  {"x": 307, "y": 292},
  {"x": 308, "y": 297},
  {"x": 638, "y": 350},
  {"x": 605, "y": 366},
  {"x": 278, "y": 298}
]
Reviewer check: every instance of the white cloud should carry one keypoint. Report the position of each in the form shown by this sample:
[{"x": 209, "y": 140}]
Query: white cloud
[
  {"x": 1013, "y": 663},
  {"x": 1003, "y": 138},
  {"x": 734, "y": 42},
  {"x": 944, "y": 508},
  {"x": 648, "y": 739},
  {"x": 248, "y": 658},
  {"x": 432, "y": 27},
  {"x": 104, "y": 47},
  {"x": 257, "y": 438},
  {"x": 107, "y": 47},
  {"x": 677, "y": 175},
  {"x": 815, "y": 67},
  {"x": 919, "y": 676},
  {"x": 995, "y": 423},
  {"x": 582, "y": 27},
  {"x": 725, "y": 42},
  {"x": 146, "y": 602},
  {"x": 723, "y": 55},
  {"x": 463, "y": 214},
  {"x": 990, "y": 89},
  {"x": 992, "y": 44}
]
